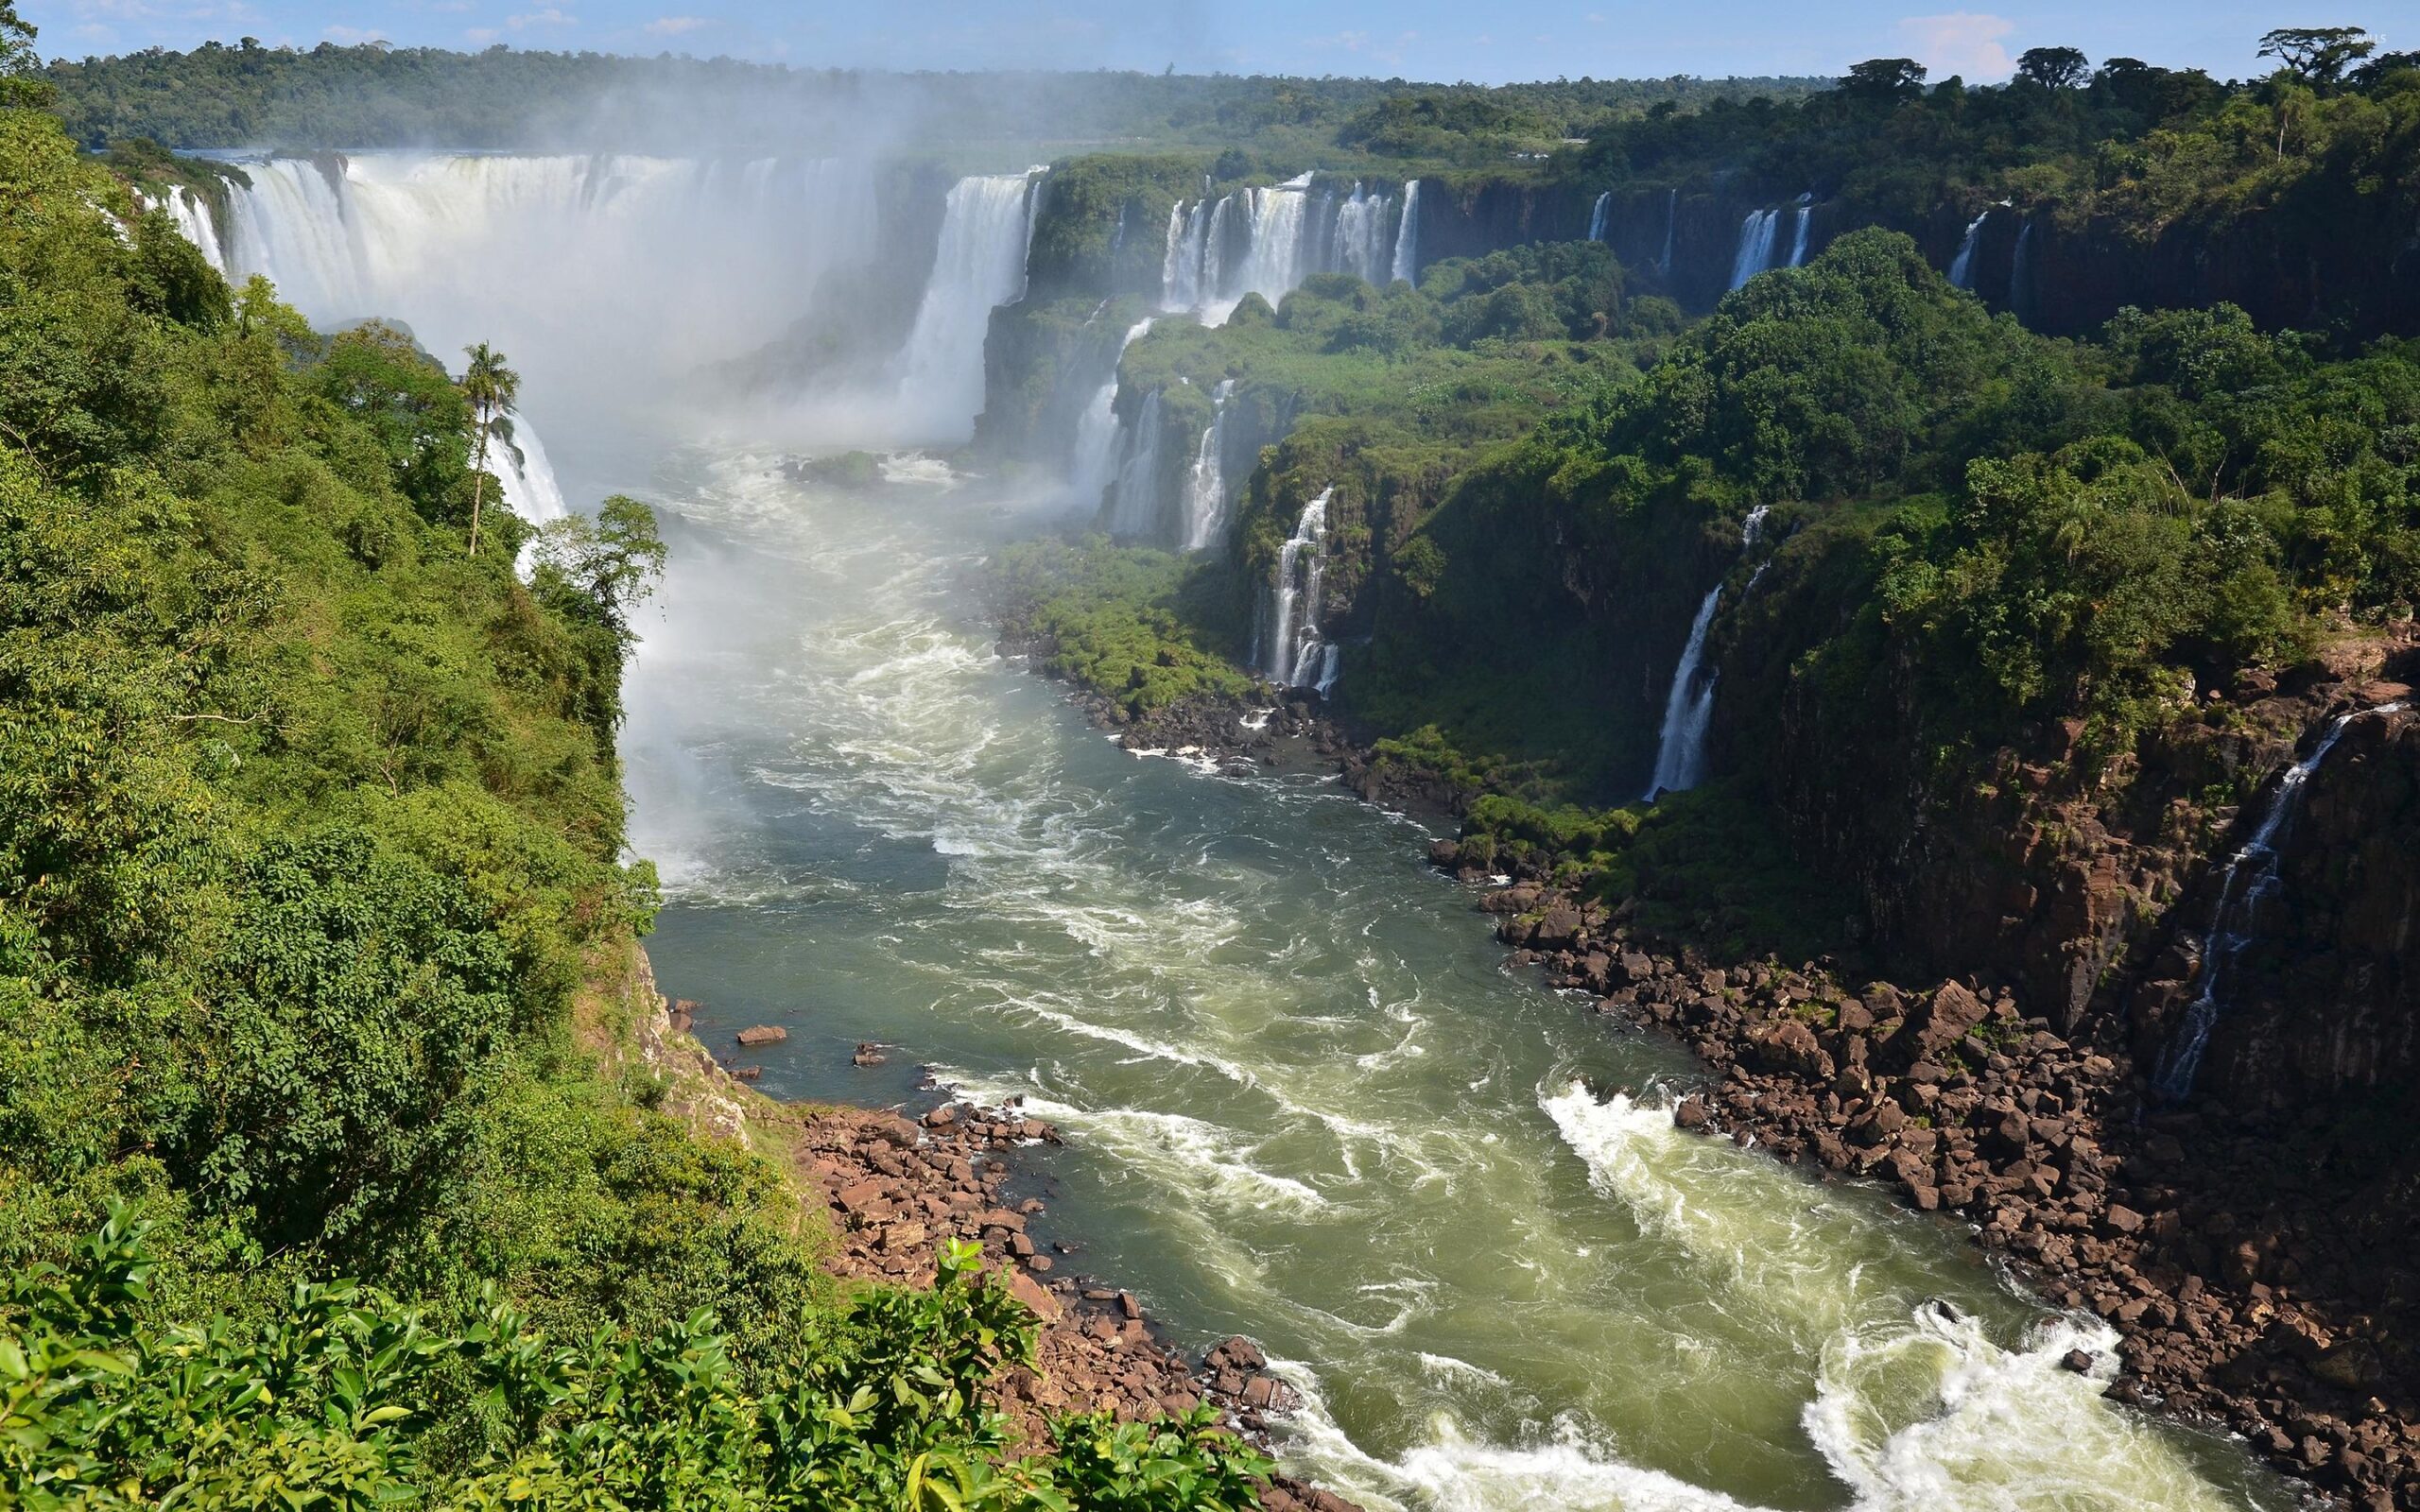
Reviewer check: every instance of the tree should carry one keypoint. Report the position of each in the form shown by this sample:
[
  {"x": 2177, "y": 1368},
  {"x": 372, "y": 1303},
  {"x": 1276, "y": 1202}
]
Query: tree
[
  {"x": 2053, "y": 67},
  {"x": 20, "y": 87},
  {"x": 614, "y": 561},
  {"x": 1884, "y": 78},
  {"x": 2318, "y": 55},
  {"x": 491, "y": 387}
]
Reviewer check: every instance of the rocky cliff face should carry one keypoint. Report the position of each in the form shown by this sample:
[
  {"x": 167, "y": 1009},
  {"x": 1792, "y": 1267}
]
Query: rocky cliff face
[{"x": 2323, "y": 1001}]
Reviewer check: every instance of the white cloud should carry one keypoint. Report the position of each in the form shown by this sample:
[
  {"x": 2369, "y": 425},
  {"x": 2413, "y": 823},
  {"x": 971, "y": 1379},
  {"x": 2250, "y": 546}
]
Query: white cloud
[
  {"x": 1960, "y": 42},
  {"x": 675, "y": 26},
  {"x": 544, "y": 16},
  {"x": 347, "y": 36}
]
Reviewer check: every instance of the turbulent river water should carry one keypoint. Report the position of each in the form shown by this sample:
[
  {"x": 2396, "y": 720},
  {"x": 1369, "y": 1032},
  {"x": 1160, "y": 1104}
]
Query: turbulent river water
[{"x": 1302, "y": 1097}]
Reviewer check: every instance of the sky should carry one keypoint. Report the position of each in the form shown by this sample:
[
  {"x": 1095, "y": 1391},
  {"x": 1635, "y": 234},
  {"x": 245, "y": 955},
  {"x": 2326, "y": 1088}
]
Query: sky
[{"x": 1482, "y": 41}]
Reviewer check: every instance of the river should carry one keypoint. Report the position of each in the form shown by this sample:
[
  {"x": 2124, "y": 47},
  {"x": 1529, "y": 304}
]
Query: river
[{"x": 1303, "y": 1097}]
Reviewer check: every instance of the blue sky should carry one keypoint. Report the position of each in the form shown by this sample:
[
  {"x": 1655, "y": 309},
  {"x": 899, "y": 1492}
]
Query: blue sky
[{"x": 1420, "y": 39}]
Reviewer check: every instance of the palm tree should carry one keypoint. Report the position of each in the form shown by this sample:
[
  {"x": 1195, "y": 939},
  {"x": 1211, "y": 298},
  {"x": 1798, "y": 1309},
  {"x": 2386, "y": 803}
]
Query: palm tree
[{"x": 491, "y": 387}]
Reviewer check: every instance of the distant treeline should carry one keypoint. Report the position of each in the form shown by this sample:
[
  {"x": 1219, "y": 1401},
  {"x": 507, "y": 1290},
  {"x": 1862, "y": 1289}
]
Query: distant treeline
[{"x": 246, "y": 94}]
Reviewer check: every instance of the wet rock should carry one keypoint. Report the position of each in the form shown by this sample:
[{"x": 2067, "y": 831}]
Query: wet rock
[{"x": 763, "y": 1034}]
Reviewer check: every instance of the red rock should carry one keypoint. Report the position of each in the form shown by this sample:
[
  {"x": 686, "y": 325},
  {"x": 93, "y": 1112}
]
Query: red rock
[
  {"x": 1034, "y": 1295},
  {"x": 763, "y": 1034}
]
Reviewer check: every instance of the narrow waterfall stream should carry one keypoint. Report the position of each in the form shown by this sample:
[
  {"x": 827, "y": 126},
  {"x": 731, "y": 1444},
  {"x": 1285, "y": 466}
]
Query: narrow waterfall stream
[{"x": 1303, "y": 1097}]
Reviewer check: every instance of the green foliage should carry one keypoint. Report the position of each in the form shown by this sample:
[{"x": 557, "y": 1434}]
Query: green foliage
[
  {"x": 219, "y": 95},
  {"x": 344, "y": 1397},
  {"x": 1113, "y": 619}
]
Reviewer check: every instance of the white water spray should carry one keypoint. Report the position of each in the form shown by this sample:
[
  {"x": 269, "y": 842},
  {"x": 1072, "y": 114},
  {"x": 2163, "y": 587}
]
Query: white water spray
[
  {"x": 1134, "y": 502},
  {"x": 1596, "y": 215},
  {"x": 1798, "y": 238}
]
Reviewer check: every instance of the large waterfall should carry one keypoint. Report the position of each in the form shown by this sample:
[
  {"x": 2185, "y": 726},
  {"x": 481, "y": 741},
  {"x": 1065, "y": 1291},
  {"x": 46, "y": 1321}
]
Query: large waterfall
[
  {"x": 1689, "y": 709},
  {"x": 1205, "y": 485},
  {"x": 2246, "y": 888},
  {"x": 1297, "y": 658},
  {"x": 1596, "y": 215},
  {"x": 1961, "y": 268},
  {"x": 1406, "y": 259},
  {"x": 1266, "y": 241},
  {"x": 980, "y": 264},
  {"x": 1672, "y": 226},
  {"x": 527, "y": 251}
]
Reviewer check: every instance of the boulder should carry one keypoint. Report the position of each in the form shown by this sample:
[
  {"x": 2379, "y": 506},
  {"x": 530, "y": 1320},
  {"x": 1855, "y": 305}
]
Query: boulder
[
  {"x": 1789, "y": 1046},
  {"x": 1937, "y": 1023},
  {"x": 763, "y": 1034}
]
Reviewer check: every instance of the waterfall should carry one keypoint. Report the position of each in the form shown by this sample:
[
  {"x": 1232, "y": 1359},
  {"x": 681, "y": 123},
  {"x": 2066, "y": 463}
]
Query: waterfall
[
  {"x": 978, "y": 265},
  {"x": 1266, "y": 241},
  {"x": 1671, "y": 224},
  {"x": 546, "y": 257},
  {"x": 1596, "y": 215},
  {"x": 1357, "y": 241},
  {"x": 1798, "y": 238},
  {"x": 1133, "y": 502},
  {"x": 1096, "y": 457},
  {"x": 524, "y": 477},
  {"x": 1297, "y": 657},
  {"x": 1961, "y": 268},
  {"x": 2246, "y": 888},
  {"x": 2020, "y": 267},
  {"x": 1205, "y": 486},
  {"x": 194, "y": 221},
  {"x": 1756, "y": 245},
  {"x": 1689, "y": 709},
  {"x": 1406, "y": 261}
]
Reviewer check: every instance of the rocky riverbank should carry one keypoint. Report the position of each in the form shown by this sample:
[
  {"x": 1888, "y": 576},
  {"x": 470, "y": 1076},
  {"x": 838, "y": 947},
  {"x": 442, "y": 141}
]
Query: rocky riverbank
[
  {"x": 2238, "y": 1255},
  {"x": 2255, "y": 1262},
  {"x": 897, "y": 1187}
]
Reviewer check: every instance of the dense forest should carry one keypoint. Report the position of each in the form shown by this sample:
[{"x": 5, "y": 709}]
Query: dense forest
[
  {"x": 374, "y": 95},
  {"x": 1970, "y": 532},
  {"x": 327, "y": 1177}
]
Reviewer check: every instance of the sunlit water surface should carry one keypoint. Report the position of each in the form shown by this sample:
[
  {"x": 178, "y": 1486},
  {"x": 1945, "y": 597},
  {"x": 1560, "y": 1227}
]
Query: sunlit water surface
[{"x": 1304, "y": 1099}]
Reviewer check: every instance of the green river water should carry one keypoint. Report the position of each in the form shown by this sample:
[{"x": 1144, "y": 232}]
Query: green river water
[{"x": 1303, "y": 1097}]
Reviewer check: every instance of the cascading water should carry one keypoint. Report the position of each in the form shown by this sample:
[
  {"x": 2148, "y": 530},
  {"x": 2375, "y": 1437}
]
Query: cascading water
[
  {"x": 1755, "y": 252},
  {"x": 978, "y": 265},
  {"x": 1358, "y": 243},
  {"x": 2020, "y": 271},
  {"x": 1757, "y": 235},
  {"x": 2246, "y": 888},
  {"x": 1266, "y": 241},
  {"x": 1671, "y": 227},
  {"x": 195, "y": 223},
  {"x": 1406, "y": 259},
  {"x": 1961, "y": 268},
  {"x": 1798, "y": 237},
  {"x": 1205, "y": 485},
  {"x": 1689, "y": 709},
  {"x": 1597, "y": 214},
  {"x": 1133, "y": 502},
  {"x": 1297, "y": 657},
  {"x": 1096, "y": 456},
  {"x": 525, "y": 474}
]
